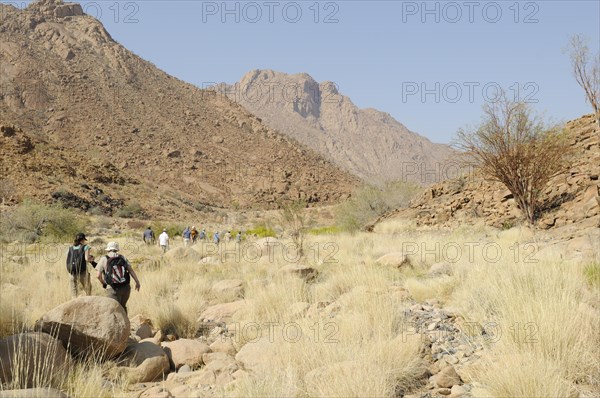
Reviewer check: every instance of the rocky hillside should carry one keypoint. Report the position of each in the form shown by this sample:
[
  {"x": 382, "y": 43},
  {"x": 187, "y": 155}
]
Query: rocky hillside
[
  {"x": 86, "y": 106},
  {"x": 571, "y": 198},
  {"x": 368, "y": 143}
]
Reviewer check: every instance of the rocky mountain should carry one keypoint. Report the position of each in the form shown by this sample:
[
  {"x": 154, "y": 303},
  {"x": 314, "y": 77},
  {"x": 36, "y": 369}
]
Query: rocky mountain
[
  {"x": 87, "y": 111},
  {"x": 368, "y": 143},
  {"x": 571, "y": 199}
]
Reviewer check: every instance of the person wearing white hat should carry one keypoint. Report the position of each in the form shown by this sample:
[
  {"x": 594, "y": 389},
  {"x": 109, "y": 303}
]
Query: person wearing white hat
[{"x": 114, "y": 272}]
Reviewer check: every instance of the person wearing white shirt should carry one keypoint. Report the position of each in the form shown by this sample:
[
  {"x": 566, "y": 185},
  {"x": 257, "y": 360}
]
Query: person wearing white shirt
[{"x": 163, "y": 240}]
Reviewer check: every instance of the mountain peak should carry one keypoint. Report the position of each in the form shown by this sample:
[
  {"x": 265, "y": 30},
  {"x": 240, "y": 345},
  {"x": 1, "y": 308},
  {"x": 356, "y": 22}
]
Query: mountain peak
[{"x": 366, "y": 142}]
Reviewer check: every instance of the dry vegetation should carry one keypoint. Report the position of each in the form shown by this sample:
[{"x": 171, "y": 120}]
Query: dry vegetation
[{"x": 542, "y": 316}]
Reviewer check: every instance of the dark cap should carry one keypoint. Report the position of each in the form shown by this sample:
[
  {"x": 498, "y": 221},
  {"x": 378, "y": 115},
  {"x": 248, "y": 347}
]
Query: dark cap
[{"x": 80, "y": 236}]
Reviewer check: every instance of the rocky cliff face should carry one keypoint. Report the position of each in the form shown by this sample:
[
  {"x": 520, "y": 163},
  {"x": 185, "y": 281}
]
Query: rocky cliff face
[
  {"x": 368, "y": 143},
  {"x": 70, "y": 87}
]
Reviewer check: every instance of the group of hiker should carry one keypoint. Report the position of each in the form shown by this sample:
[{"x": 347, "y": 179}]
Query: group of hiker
[
  {"x": 190, "y": 236},
  {"x": 113, "y": 271}
]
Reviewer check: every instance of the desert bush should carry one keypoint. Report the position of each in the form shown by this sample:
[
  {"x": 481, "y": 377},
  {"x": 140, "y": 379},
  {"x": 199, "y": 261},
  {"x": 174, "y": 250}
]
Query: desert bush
[
  {"x": 131, "y": 210},
  {"x": 586, "y": 71},
  {"x": 295, "y": 221},
  {"x": 368, "y": 203},
  {"x": 516, "y": 148},
  {"x": 173, "y": 229},
  {"x": 32, "y": 221},
  {"x": 329, "y": 230},
  {"x": 261, "y": 231}
]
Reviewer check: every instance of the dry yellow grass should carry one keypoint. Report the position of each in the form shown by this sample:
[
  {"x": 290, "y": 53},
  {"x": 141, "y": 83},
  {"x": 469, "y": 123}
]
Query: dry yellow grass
[{"x": 545, "y": 310}]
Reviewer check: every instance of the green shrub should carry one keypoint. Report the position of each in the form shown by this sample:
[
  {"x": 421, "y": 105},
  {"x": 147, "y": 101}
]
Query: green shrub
[
  {"x": 261, "y": 231},
  {"x": 173, "y": 229},
  {"x": 329, "y": 230},
  {"x": 369, "y": 202},
  {"x": 130, "y": 211},
  {"x": 33, "y": 221}
]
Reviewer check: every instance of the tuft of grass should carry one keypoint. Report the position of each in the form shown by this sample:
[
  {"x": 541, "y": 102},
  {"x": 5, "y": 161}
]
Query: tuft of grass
[{"x": 592, "y": 274}]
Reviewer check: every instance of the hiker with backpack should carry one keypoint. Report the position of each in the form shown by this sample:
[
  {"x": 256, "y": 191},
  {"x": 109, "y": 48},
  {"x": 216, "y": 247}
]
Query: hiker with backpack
[
  {"x": 194, "y": 235},
  {"x": 148, "y": 236},
  {"x": 114, "y": 273},
  {"x": 187, "y": 235},
  {"x": 77, "y": 258}
]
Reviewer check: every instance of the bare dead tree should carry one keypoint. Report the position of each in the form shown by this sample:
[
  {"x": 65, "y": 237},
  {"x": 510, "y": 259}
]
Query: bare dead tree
[
  {"x": 586, "y": 69},
  {"x": 517, "y": 149}
]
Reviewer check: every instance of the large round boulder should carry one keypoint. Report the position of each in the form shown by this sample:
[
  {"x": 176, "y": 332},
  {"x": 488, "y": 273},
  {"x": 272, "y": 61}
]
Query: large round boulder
[
  {"x": 32, "y": 357},
  {"x": 395, "y": 260},
  {"x": 89, "y": 325}
]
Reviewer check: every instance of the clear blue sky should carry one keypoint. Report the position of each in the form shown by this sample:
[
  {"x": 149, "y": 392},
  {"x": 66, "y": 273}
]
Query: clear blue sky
[{"x": 381, "y": 54}]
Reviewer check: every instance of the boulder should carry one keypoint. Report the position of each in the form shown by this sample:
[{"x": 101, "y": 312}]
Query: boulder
[
  {"x": 257, "y": 356},
  {"x": 87, "y": 325},
  {"x": 439, "y": 269},
  {"x": 144, "y": 331},
  {"x": 32, "y": 357},
  {"x": 233, "y": 287},
  {"x": 219, "y": 362},
  {"x": 33, "y": 393},
  {"x": 395, "y": 259},
  {"x": 183, "y": 254},
  {"x": 301, "y": 271},
  {"x": 225, "y": 346},
  {"x": 186, "y": 352},
  {"x": 222, "y": 312},
  {"x": 146, "y": 362},
  {"x": 446, "y": 378}
]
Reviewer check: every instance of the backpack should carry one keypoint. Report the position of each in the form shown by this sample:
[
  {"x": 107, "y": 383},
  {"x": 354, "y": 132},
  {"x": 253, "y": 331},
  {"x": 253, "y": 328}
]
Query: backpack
[
  {"x": 76, "y": 260},
  {"x": 116, "y": 274}
]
